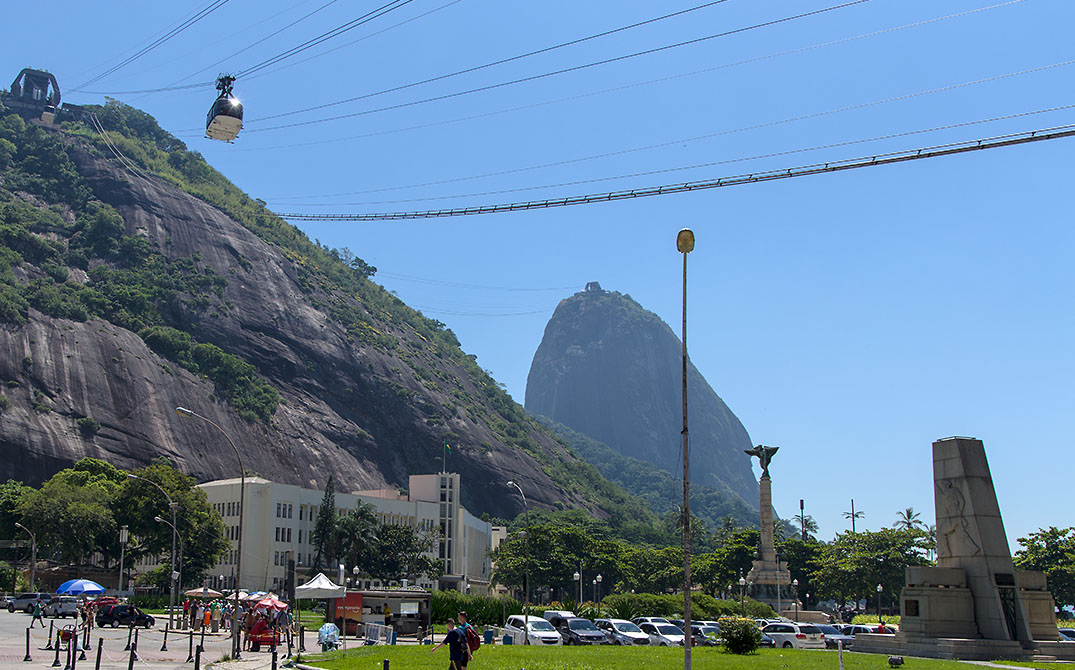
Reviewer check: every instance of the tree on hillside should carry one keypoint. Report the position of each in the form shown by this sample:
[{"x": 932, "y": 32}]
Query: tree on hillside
[
  {"x": 324, "y": 532},
  {"x": 1052, "y": 551}
]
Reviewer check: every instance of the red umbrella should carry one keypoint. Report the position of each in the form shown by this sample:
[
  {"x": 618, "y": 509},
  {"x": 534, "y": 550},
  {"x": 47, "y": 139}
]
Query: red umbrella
[{"x": 272, "y": 603}]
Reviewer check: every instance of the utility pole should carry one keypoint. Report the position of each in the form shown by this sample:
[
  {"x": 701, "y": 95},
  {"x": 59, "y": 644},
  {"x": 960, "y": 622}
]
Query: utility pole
[
  {"x": 122, "y": 547},
  {"x": 685, "y": 244},
  {"x": 802, "y": 517}
]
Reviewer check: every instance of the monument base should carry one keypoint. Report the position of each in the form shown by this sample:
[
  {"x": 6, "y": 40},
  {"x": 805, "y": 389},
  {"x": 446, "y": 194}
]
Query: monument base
[
  {"x": 772, "y": 585},
  {"x": 965, "y": 649}
]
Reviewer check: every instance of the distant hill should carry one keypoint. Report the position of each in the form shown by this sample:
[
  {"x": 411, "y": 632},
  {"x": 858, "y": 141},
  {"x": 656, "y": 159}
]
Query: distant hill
[
  {"x": 608, "y": 368},
  {"x": 660, "y": 489}
]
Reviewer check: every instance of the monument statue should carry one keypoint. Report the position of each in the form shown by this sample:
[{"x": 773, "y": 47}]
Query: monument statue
[{"x": 764, "y": 454}]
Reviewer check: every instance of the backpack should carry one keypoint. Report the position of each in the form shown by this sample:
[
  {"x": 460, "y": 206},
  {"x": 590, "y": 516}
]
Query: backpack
[{"x": 473, "y": 639}]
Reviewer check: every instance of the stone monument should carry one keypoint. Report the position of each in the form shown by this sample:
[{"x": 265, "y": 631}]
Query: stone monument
[
  {"x": 770, "y": 581},
  {"x": 974, "y": 605}
]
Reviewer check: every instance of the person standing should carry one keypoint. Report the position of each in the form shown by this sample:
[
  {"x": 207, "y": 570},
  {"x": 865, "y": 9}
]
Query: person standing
[{"x": 458, "y": 651}]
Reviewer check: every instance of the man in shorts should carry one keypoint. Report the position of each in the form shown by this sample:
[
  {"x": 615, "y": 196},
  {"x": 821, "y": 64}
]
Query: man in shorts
[{"x": 458, "y": 651}]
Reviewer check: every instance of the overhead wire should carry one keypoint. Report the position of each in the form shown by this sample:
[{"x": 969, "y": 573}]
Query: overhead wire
[
  {"x": 324, "y": 37},
  {"x": 502, "y": 61},
  {"x": 198, "y": 16},
  {"x": 680, "y": 141},
  {"x": 449, "y": 284},
  {"x": 889, "y": 158},
  {"x": 575, "y": 68},
  {"x": 615, "y": 89}
]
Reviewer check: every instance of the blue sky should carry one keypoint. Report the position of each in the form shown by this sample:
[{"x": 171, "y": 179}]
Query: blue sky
[{"x": 849, "y": 318}]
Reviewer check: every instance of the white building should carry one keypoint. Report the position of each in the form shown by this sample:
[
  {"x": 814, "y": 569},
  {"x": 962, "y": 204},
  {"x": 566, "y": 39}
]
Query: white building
[{"x": 279, "y": 518}]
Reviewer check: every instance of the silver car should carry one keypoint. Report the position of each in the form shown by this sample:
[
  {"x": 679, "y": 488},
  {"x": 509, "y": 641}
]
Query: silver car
[
  {"x": 795, "y": 635},
  {"x": 62, "y": 607},
  {"x": 621, "y": 631},
  {"x": 663, "y": 634}
]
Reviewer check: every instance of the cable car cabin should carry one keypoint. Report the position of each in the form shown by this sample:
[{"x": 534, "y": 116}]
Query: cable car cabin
[{"x": 225, "y": 118}]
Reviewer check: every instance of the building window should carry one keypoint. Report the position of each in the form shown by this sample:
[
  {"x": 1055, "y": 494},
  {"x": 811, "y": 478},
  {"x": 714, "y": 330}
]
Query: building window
[
  {"x": 277, "y": 534},
  {"x": 290, "y": 510},
  {"x": 288, "y": 534}
]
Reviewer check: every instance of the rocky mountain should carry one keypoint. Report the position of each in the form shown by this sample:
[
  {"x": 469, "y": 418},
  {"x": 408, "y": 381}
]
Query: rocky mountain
[
  {"x": 612, "y": 370},
  {"x": 135, "y": 279}
]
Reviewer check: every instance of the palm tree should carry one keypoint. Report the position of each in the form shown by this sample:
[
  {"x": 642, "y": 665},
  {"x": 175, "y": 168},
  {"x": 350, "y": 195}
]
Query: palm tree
[
  {"x": 909, "y": 519},
  {"x": 854, "y": 515},
  {"x": 807, "y": 525}
]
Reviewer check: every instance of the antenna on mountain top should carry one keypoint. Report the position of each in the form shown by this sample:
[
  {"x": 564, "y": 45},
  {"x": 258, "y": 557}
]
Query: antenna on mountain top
[{"x": 593, "y": 286}]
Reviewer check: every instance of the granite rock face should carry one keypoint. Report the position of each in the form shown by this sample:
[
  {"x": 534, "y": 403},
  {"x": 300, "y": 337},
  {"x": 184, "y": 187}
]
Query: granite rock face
[
  {"x": 367, "y": 414},
  {"x": 610, "y": 369}
]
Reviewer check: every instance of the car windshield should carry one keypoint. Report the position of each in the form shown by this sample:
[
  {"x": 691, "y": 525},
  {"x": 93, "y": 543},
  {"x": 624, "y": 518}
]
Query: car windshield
[
  {"x": 541, "y": 625},
  {"x": 669, "y": 630},
  {"x": 828, "y": 630},
  {"x": 627, "y": 627},
  {"x": 809, "y": 630},
  {"x": 580, "y": 624}
]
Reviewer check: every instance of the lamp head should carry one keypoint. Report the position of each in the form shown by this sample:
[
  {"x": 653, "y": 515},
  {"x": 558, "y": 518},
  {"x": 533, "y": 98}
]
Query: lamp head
[
  {"x": 685, "y": 241},
  {"x": 577, "y": 576},
  {"x": 742, "y": 581},
  {"x": 158, "y": 519},
  {"x": 130, "y": 476},
  {"x": 183, "y": 411},
  {"x": 510, "y": 483}
]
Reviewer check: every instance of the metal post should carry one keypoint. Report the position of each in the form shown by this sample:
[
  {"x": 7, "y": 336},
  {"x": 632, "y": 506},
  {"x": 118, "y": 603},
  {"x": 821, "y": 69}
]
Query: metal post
[
  {"x": 74, "y": 648},
  {"x": 33, "y": 556},
  {"x": 67, "y": 660},
  {"x": 685, "y": 244},
  {"x": 778, "y": 602},
  {"x": 27, "y": 659},
  {"x": 130, "y": 633},
  {"x": 273, "y": 652},
  {"x": 134, "y": 647},
  {"x": 49, "y": 646},
  {"x": 384, "y": 666},
  {"x": 802, "y": 517},
  {"x": 122, "y": 546},
  {"x": 164, "y": 646},
  {"x": 56, "y": 660},
  {"x": 526, "y": 574},
  {"x": 190, "y": 647},
  {"x": 197, "y": 659},
  {"x": 239, "y": 549},
  {"x": 100, "y": 648},
  {"x": 302, "y": 638}
]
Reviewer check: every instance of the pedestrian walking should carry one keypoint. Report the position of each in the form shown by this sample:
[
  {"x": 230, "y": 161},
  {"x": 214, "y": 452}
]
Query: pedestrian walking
[
  {"x": 458, "y": 651},
  {"x": 37, "y": 614}
]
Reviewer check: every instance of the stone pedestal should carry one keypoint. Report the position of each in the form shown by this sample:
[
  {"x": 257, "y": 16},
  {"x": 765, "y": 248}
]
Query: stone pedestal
[{"x": 770, "y": 577}]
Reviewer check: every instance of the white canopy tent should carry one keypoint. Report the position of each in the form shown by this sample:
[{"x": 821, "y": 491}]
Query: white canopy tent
[{"x": 319, "y": 587}]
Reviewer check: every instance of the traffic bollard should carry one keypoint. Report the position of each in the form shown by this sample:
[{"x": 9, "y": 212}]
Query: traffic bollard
[
  {"x": 27, "y": 659},
  {"x": 130, "y": 632},
  {"x": 74, "y": 648},
  {"x": 385, "y": 667},
  {"x": 100, "y": 648},
  {"x": 134, "y": 645},
  {"x": 164, "y": 647},
  {"x": 201, "y": 642},
  {"x": 56, "y": 660},
  {"x": 67, "y": 659},
  {"x": 274, "y": 658},
  {"x": 49, "y": 647},
  {"x": 130, "y": 660},
  {"x": 198, "y": 658},
  {"x": 302, "y": 638},
  {"x": 85, "y": 641},
  {"x": 190, "y": 647}
]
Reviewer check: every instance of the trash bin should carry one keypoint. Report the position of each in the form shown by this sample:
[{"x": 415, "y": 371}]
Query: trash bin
[
  {"x": 488, "y": 637},
  {"x": 507, "y": 639}
]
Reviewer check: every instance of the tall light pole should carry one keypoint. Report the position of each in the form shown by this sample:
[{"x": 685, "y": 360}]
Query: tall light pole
[
  {"x": 171, "y": 578},
  {"x": 578, "y": 578},
  {"x": 177, "y": 577},
  {"x": 526, "y": 576},
  {"x": 795, "y": 591},
  {"x": 779, "y": 605},
  {"x": 33, "y": 556},
  {"x": 742, "y": 594},
  {"x": 880, "y": 621},
  {"x": 122, "y": 547},
  {"x": 596, "y": 590},
  {"x": 235, "y": 646},
  {"x": 685, "y": 245}
]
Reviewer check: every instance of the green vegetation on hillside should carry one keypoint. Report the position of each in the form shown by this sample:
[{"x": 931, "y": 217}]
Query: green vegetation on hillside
[{"x": 67, "y": 255}]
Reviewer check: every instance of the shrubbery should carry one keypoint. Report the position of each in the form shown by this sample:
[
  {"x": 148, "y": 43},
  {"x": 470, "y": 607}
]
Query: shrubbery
[
  {"x": 481, "y": 610},
  {"x": 740, "y": 636},
  {"x": 671, "y": 605}
]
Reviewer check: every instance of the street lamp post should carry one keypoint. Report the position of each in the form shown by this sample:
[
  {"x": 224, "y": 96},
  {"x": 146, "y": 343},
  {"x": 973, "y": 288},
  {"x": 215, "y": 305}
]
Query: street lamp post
[
  {"x": 578, "y": 578},
  {"x": 742, "y": 596},
  {"x": 526, "y": 575},
  {"x": 171, "y": 578},
  {"x": 880, "y": 621},
  {"x": 779, "y": 605},
  {"x": 177, "y": 577},
  {"x": 235, "y": 646},
  {"x": 122, "y": 546},
  {"x": 795, "y": 591},
  {"x": 685, "y": 244},
  {"x": 33, "y": 556},
  {"x": 597, "y": 593}
]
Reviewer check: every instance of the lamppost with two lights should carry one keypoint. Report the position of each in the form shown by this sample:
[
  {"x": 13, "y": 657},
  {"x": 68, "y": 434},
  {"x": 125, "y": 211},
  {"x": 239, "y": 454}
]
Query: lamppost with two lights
[
  {"x": 33, "y": 556},
  {"x": 526, "y": 574},
  {"x": 177, "y": 577},
  {"x": 742, "y": 596},
  {"x": 795, "y": 591},
  {"x": 880, "y": 621},
  {"x": 172, "y": 506}
]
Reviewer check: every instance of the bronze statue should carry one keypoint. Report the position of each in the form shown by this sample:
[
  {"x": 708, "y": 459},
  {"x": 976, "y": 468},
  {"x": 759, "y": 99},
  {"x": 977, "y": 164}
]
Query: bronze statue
[{"x": 764, "y": 454}]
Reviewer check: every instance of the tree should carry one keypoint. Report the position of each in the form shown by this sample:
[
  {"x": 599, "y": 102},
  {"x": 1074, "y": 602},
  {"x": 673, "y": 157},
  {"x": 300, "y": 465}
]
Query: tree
[
  {"x": 854, "y": 564},
  {"x": 324, "y": 533},
  {"x": 1052, "y": 551},
  {"x": 357, "y": 535},
  {"x": 909, "y": 519},
  {"x": 402, "y": 552},
  {"x": 852, "y": 516},
  {"x": 807, "y": 525}
]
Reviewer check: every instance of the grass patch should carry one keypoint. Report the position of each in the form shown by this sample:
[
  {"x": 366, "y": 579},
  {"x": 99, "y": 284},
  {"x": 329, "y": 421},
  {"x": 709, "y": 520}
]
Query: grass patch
[{"x": 609, "y": 658}]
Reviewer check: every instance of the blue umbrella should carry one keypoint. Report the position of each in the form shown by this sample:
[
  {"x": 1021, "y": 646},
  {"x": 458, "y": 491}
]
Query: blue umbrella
[{"x": 75, "y": 587}]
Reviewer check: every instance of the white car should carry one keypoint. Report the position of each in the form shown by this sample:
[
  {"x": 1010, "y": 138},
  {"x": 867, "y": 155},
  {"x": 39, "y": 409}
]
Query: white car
[
  {"x": 62, "y": 607},
  {"x": 795, "y": 635},
  {"x": 639, "y": 620},
  {"x": 541, "y": 632},
  {"x": 621, "y": 631},
  {"x": 662, "y": 634}
]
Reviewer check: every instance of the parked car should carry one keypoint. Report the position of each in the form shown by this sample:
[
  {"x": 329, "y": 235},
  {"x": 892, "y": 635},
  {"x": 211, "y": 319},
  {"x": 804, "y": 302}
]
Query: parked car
[
  {"x": 639, "y": 620},
  {"x": 705, "y": 636},
  {"x": 767, "y": 641},
  {"x": 621, "y": 631},
  {"x": 62, "y": 607},
  {"x": 563, "y": 614},
  {"x": 874, "y": 629},
  {"x": 122, "y": 615},
  {"x": 795, "y": 635},
  {"x": 576, "y": 630},
  {"x": 3, "y": 600},
  {"x": 1068, "y": 632},
  {"x": 833, "y": 637},
  {"x": 662, "y": 634},
  {"x": 25, "y": 601},
  {"x": 539, "y": 631}
]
